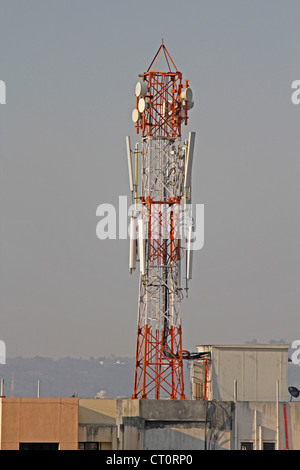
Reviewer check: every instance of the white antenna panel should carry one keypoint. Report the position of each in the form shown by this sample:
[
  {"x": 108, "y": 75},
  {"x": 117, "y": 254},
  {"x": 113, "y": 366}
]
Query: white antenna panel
[
  {"x": 189, "y": 256},
  {"x": 189, "y": 160},
  {"x": 129, "y": 163},
  {"x": 132, "y": 245},
  {"x": 142, "y": 246}
]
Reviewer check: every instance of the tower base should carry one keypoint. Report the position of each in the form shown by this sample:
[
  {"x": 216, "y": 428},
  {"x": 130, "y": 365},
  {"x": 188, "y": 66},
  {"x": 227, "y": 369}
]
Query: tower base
[{"x": 159, "y": 364}]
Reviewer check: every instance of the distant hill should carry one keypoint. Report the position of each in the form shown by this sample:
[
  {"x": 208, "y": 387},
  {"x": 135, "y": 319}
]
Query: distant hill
[
  {"x": 110, "y": 377},
  {"x": 86, "y": 378},
  {"x": 106, "y": 377}
]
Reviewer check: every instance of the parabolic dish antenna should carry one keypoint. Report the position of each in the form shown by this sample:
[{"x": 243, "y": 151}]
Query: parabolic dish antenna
[
  {"x": 294, "y": 392},
  {"x": 142, "y": 105},
  {"x": 141, "y": 89},
  {"x": 135, "y": 115}
]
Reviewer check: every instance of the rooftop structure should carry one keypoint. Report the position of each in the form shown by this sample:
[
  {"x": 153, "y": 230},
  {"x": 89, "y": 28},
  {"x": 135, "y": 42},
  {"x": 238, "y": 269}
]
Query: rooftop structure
[{"x": 241, "y": 372}]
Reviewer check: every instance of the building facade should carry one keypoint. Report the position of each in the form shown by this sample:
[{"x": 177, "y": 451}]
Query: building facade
[
  {"x": 38, "y": 423},
  {"x": 127, "y": 424},
  {"x": 240, "y": 404}
]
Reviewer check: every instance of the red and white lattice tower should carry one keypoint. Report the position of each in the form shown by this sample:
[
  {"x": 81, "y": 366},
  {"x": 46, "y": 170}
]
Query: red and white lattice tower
[{"x": 163, "y": 101}]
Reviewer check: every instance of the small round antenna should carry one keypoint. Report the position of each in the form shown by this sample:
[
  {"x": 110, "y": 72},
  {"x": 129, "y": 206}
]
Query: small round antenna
[{"x": 294, "y": 392}]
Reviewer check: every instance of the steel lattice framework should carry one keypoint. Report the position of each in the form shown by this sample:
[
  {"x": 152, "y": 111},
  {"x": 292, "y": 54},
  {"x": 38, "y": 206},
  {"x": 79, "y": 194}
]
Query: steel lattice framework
[{"x": 162, "y": 104}]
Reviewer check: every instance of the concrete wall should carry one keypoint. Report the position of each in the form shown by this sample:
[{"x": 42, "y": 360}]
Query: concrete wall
[
  {"x": 210, "y": 425},
  {"x": 32, "y": 420},
  {"x": 187, "y": 436},
  {"x": 260, "y": 422},
  {"x": 174, "y": 425},
  {"x": 97, "y": 422},
  {"x": 95, "y": 410},
  {"x": 147, "y": 424},
  {"x": 293, "y": 419}
]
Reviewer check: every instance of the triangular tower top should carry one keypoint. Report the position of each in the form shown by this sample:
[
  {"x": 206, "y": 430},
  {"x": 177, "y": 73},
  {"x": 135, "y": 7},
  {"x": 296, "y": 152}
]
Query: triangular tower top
[{"x": 168, "y": 59}]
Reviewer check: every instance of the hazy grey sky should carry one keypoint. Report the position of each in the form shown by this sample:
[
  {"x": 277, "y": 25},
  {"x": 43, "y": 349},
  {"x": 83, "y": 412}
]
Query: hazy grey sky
[{"x": 70, "y": 69}]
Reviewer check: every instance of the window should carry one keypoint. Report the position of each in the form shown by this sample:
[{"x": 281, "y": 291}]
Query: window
[
  {"x": 268, "y": 445},
  {"x": 89, "y": 446},
  {"x": 94, "y": 445},
  {"x": 246, "y": 445},
  {"x": 38, "y": 446}
]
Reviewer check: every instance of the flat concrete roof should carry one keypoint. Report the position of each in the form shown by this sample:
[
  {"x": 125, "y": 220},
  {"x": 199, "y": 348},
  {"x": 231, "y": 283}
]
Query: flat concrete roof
[{"x": 247, "y": 346}]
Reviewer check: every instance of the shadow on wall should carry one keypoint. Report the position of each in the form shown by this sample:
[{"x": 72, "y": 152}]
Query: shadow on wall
[{"x": 213, "y": 432}]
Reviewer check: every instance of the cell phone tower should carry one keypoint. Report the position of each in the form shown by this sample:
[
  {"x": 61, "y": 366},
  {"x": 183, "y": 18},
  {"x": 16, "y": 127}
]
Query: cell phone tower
[{"x": 160, "y": 183}]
